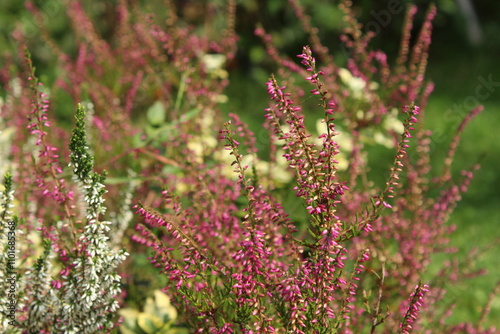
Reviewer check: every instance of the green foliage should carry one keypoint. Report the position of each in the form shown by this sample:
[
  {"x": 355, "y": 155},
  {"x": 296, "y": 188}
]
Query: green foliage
[
  {"x": 83, "y": 162},
  {"x": 156, "y": 114},
  {"x": 81, "y": 158},
  {"x": 41, "y": 262},
  {"x": 6, "y": 196}
]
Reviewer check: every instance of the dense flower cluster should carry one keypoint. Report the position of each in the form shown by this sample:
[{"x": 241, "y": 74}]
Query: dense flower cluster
[
  {"x": 47, "y": 166},
  {"x": 93, "y": 277},
  {"x": 51, "y": 301}
]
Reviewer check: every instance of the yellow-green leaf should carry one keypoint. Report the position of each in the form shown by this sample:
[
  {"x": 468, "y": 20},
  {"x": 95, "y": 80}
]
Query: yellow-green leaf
[
  {"x": 149, "y": 323},
  {"x": 165, "y": 310},
  {"x": 156, "y": 114},
  {"x": 149, "y": 307},
  {"x": 129, "y": 318}
]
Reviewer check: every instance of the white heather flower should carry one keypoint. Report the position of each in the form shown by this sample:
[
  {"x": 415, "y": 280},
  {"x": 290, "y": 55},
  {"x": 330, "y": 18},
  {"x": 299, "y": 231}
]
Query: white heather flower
[
  {"x": 93, "y": 275},
  {"x": 121, "y": 220}
]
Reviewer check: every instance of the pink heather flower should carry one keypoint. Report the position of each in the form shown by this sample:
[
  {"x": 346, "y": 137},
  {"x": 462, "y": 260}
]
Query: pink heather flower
[
  {"x": 56, "y": 284},
  {"x": 416, "y": 302},
  {"x": 65, "y": 272},
  {"x": 218, "y": 240}
]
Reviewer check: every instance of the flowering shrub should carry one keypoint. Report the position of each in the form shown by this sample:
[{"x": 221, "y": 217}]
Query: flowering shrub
[{"x": 234, "y": 259}]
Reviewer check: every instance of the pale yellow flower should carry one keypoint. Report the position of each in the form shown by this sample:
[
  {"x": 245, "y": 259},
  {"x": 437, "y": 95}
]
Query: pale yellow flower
[{"x": 354, "y": 83}]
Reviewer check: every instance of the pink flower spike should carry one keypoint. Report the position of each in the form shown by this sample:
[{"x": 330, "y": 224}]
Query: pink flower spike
[{"x": 56, "y": 284}]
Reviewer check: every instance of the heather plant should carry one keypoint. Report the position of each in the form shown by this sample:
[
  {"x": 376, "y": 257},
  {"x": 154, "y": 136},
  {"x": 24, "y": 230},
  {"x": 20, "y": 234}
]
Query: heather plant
[
  {"x": 158, "y": 70},
  {"x": 359, "y": 265},
  {"x": 72, "y": 287},
  {"x": 172, "y": 83},
  {"x": 210, "y": 210}
]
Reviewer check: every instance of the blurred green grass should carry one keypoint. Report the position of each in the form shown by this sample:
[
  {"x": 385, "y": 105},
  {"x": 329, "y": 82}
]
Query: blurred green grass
[{"x": 478, "y": 214}]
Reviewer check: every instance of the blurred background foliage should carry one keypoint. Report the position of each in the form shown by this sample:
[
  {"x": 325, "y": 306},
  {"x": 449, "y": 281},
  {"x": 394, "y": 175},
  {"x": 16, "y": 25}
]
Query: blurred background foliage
[{"x": 458, "y": 60}]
